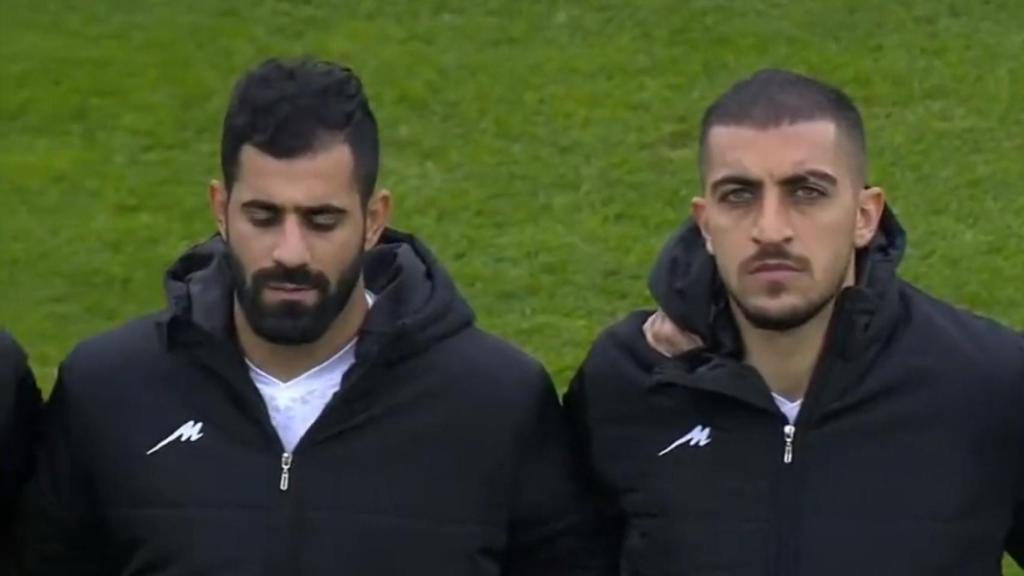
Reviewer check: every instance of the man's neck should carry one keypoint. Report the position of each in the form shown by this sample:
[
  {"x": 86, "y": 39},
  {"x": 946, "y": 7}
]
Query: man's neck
[
  {"x": 286, "y": 363},
  {"x": 786, "y": 360}
]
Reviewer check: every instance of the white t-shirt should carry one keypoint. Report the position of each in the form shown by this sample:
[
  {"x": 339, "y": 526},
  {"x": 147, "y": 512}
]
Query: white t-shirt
[
  {"x": 790, "y": 409},
  {"x": 296, "y": 404}
]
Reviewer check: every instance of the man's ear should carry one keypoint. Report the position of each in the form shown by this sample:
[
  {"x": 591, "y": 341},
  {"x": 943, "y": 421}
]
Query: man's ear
[
  {"x": 219, "y": 197},
  {"x": 699, "y": 211},
  {"x": 378, "y": 216},
  {"x": 870, "y": 206}
]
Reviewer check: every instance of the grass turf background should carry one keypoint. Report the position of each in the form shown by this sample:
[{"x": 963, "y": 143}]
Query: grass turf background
[{"x": 543, "y": 149}]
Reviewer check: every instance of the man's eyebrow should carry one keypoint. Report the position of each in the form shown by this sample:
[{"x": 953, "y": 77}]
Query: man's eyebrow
[
  {"x": 261, "y": 205},
  {"x": 322, "y": 209},
  {"x": 812, "y": 175},
  {"x": 735, "y": 180},
  {"x": 317, "y": 209}
]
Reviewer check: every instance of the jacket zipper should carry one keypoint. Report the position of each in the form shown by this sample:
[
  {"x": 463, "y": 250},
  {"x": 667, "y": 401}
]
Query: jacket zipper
[
  {"x": 789, "y": 433},
  {"x": 289, "y": 546},
  {"x": 787, "y": 509},
  {"x": 288, "y": 458},
  {"x": 788, "y": 541},
  {"x": 286, "y": 466}
]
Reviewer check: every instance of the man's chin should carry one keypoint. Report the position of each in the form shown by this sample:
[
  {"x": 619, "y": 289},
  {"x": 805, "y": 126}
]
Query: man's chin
[
  {"x": 289, "y": 331},
  {"x": 781, "y": 317},
  {"x": 300, "y": 300},
  {"x": 777, "y": 322}
]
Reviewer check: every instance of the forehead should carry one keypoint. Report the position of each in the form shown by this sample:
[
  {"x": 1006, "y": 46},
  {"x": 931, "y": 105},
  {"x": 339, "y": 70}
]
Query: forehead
[
  {"x": 775, "y": 152},
  {"x": 325, "y": 175}
]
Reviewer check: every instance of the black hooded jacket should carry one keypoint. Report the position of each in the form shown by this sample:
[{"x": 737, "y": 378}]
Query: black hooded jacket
[
  {"x": 905, "y": 460},
  {"x": 20, "y": 405},
  {"x": 443, "y": 453}
]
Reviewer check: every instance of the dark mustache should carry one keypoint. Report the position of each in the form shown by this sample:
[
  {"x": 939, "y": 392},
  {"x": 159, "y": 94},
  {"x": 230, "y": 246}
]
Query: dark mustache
[
  {"x": 776, "y": 253},
  {"x": 299, "y": 276}
]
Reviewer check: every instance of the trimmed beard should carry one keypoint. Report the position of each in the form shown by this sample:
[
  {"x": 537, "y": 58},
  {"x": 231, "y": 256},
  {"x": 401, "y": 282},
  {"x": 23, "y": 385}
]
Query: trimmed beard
[
  {"x": 293, "y": 323},
  {"x": 791, "y": 320}
]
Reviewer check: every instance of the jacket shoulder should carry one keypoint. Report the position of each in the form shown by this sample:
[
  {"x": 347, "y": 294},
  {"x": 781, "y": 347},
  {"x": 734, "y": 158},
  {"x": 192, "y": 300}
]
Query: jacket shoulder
[
  {"x": 17, "y": 384},
  {"x": 624, "y": 340},
  {"x": 618, "y": 363},
  {"x": 16, "y": 378},
  {"x": 12, "y": 355},
  {"x": 975, "y": 335},
  {"x": 982, "y": 351},
  {"x": 137, "y": 339},
  {"x": 117, "y": 355},
  {"x": 506, "y": 366}
]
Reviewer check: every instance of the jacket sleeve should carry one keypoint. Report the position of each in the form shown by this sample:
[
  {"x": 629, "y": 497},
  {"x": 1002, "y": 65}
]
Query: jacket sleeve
[
  {"x": 1014, "y": 543},
  {"x": 576, "y": 406},
  {"x": 554, "y": 528},
  {"x": 1015, "y": 538},
  {"x": 20, "y": 406},
  {"x": 54, "y": 529}
]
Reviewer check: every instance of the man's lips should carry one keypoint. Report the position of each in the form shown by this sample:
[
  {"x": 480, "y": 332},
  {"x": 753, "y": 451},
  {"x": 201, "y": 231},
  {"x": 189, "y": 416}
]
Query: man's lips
[
  {"x": 774, "y": 266},
  {"x": 291, "y": 292},
  {"x": 774, "y": 271},
  {"x": 289, "y": 287}
]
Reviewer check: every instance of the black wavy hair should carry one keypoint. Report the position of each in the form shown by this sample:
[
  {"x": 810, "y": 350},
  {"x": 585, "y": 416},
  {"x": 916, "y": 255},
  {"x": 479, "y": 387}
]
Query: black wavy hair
[{"x": 291, "y": 108}]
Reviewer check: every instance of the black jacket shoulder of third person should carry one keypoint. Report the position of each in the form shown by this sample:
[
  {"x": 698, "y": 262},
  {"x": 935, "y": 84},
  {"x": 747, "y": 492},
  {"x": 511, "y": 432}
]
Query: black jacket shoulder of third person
[
  {"x": 20, "y": 412},
  {"x": 20, "y": 407}
]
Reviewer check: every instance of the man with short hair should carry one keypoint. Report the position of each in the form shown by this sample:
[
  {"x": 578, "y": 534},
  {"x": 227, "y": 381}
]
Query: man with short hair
[
  {"x": 823, "y": 416},
  {"x": 316, "y": 399},
  {"x": 20, "y": 405}
]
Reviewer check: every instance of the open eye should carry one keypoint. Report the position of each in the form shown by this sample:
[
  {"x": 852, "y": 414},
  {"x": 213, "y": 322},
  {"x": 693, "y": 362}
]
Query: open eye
[
  {"x": 808, "y": 192},
  {"x": 737, "y": 196}
]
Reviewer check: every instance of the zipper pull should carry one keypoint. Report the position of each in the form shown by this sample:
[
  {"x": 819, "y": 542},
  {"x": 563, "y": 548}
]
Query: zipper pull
[
  {"x": 286, "y": 466},
  {"x": 789, "y": 432}
]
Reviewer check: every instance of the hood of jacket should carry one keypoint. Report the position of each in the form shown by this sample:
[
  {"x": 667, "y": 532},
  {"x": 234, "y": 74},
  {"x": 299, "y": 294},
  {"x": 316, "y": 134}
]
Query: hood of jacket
[
  {"x": 417, "y": 303},
  {"x": 687, "y": 287}
]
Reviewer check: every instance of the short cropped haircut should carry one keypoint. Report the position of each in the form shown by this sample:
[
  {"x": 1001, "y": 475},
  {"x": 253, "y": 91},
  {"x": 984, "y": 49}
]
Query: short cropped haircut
[{"x": 773, "y": 98}]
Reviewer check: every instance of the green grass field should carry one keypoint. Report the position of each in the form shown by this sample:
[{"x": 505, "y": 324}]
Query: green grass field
[{"x": 543, "y": 149}]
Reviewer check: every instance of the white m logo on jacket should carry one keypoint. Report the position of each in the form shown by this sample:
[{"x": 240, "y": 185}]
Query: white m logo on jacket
[
  {"x": 189, "y": 432},
  {"x": 699, "y": 436}
]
